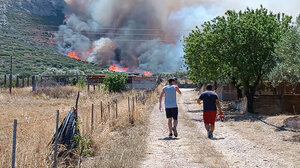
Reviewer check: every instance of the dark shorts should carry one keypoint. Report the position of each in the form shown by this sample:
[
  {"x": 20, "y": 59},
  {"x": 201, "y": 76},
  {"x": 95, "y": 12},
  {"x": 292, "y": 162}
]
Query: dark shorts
[
  {"x": 209, "y": 117},
  {"x": 172, "y": 113}
]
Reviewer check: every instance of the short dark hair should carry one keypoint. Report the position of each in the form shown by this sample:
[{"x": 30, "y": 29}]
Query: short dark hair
[
  {"x": 209, "y": 87},
  {"x": 171, "y": 80}
]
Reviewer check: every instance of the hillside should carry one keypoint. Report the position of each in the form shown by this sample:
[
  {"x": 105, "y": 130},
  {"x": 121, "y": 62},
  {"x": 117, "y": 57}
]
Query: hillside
[{"x": 29, "y": 39}]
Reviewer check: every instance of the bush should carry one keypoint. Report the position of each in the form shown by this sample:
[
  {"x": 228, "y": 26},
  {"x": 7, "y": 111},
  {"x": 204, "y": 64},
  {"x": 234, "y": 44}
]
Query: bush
[{"x": 115, "y": 82}]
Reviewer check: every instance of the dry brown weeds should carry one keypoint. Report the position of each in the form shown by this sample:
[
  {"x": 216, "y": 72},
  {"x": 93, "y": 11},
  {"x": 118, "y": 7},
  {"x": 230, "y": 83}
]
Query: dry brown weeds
[{"x": 115, "y": 142}]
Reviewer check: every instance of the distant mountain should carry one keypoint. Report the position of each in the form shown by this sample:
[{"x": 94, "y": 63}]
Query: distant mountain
[{"x": 27, "y": 29}]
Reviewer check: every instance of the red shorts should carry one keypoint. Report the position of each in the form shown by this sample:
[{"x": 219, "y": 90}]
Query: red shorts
[{"x": 209, "y": 117}]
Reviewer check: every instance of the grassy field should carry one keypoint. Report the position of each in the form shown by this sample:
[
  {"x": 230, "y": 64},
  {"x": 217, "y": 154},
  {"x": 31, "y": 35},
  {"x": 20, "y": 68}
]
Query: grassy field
[
  {"x": 32, "y": 47},
  {"x": 115, "y": 142}
]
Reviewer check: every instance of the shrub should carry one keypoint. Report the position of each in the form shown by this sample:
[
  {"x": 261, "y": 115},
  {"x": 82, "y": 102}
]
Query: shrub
[{"x": 115, "y": 82}]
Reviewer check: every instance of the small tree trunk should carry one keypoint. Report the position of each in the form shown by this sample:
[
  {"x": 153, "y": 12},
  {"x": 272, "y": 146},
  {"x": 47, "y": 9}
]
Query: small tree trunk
[
  {"x": 239, "y": 93},
  {"x": 238, "y": 90},
  {"x": 249, "y": 92}
]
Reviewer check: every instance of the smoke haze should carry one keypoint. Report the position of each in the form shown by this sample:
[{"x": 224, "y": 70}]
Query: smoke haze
[{"x": 143, "y": 35}]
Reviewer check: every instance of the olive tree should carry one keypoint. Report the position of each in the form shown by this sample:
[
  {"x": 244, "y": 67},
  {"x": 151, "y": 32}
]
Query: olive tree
[{"x": 288, "y": 53}]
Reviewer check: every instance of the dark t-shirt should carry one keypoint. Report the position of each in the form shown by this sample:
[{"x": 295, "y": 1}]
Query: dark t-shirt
[{"x": 209, "y": 100}]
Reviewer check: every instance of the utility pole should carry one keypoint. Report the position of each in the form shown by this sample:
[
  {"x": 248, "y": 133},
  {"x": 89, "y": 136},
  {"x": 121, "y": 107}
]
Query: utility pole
[{"x": 10, "y": 76}]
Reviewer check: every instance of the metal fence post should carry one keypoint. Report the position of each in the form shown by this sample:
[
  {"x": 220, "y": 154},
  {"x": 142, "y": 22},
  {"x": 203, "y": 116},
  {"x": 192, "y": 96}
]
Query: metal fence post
[
  {"x": 10, "y": 83},
  {"x": 116, "y": 108},
  {"x": 14, "y": 145},
  {"x": 56, "y": 139},
  {"x": 128, "y": 109},
  {"x": 92, "y": 122},
  {"x": 132, "y": 121},
  {"x": 10, "y": 75},
  {"x": 108, "y": 106},
  {"x": 101, "y": 110}
]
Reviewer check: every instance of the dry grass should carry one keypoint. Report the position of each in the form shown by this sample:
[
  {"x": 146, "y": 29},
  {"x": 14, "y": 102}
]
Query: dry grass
[{"x": 115, "y": 142}]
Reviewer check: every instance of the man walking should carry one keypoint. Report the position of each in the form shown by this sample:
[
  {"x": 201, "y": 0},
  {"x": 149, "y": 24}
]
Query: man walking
[
  {"x": 171, "y": 105},
  {"x": 210, "y": 101}
]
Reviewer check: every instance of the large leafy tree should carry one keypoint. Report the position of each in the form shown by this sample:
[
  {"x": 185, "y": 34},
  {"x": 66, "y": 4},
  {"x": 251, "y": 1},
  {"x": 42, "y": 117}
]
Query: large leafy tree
[
  {"x": 288, "y": 53},
  {"x": 236, "y": 47}
]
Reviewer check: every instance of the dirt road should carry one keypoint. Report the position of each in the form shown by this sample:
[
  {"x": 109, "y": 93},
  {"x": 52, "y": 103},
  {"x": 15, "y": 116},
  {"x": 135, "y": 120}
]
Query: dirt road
[{"x": 240, "y": 141}]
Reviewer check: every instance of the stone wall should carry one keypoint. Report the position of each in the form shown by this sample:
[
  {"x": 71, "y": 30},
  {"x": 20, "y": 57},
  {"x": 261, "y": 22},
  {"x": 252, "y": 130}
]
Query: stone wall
[{"x": 275, "y": 104}]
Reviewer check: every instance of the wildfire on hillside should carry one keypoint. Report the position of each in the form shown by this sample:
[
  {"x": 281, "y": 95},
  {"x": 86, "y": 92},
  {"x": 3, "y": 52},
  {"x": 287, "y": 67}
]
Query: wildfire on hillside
[
  {"x": 72, "y": 54},
  {"x": 147, "y": 73},
  {"x": 116, "y": 68}
]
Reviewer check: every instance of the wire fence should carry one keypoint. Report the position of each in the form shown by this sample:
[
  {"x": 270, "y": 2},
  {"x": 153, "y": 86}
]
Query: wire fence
[{"x": 107, "y": 111}]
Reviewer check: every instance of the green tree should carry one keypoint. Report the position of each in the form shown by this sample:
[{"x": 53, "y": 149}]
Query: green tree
[
  {"x": 288, "y": 53},
  {"x": 115, "y": 82},
  {"x": 236, "y": 47}
]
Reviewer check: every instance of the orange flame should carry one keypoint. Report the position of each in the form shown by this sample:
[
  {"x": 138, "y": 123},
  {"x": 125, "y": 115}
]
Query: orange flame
[
  {"x": 72, "y": 54},
  {"x": 147, "y": 73},
  {"x": 115, "y": 68}
]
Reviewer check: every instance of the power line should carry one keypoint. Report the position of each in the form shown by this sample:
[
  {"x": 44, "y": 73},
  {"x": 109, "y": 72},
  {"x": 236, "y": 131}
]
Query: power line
[
  {"x": 121, "y": 28},
  {"x": 16, "y": 37}
]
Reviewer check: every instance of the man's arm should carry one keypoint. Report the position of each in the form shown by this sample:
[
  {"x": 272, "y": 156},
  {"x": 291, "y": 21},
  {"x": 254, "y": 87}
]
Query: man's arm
[
  {"x": 177, "y": 89},
  {"x": 160, "y": 98},
  {"x": 219, "y": 106},
  {"x": 199, "y": 101}
]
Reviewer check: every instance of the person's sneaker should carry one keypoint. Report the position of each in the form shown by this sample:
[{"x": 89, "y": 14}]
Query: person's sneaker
[
  {"x": 211, "y": 135},
  {"x": 175, "y": 131},
  {"x": 170, "y": 135}
]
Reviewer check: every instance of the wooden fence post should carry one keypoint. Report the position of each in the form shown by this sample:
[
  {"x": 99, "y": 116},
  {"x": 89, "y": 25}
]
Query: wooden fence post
[
  {"x": 92, "y": 122},
  {"x": 129, "y": 109},
  {"x": 14, "y": 145},
  {"x": 101, "y": 110},
  {"x": 56, "y": 139},
  {"x": 33, "y": 83}
]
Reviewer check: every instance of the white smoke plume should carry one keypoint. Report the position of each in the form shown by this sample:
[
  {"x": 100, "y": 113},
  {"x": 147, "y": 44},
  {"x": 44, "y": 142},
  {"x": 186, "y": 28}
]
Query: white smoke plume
[{"x": 143, "y": 35}]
